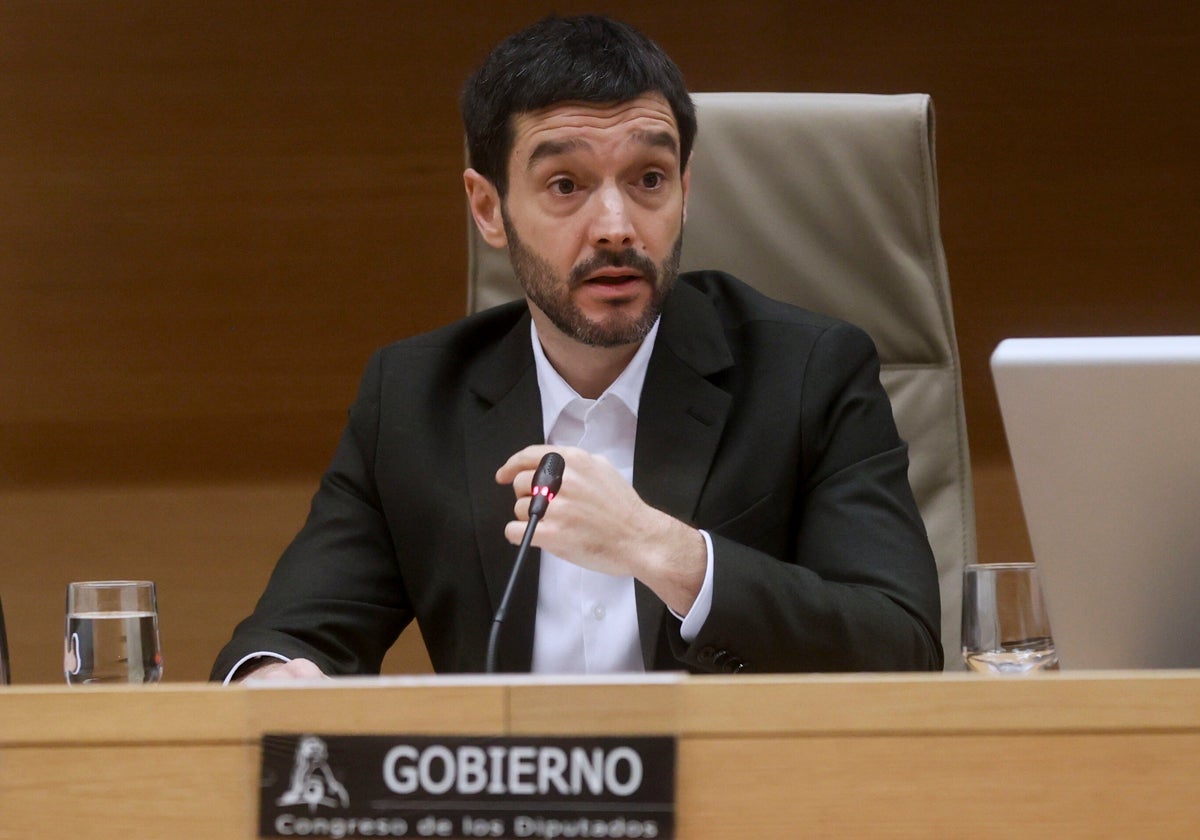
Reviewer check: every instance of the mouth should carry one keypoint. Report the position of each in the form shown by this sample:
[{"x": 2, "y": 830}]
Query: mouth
[
  {"x": 614, "y": 277},
  {"x": 615, "y": 284}
]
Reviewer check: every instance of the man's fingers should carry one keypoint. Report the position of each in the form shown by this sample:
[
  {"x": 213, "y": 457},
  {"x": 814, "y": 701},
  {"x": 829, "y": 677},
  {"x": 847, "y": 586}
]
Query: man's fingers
[{"x": 526, "y": 459}]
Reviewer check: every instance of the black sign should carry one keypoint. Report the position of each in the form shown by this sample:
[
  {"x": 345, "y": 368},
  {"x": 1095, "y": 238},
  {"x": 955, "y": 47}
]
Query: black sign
[{"x": 395, "y": 786}]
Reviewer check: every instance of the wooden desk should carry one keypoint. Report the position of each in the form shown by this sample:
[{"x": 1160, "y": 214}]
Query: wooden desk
[{"x": 1056, "y": 756}]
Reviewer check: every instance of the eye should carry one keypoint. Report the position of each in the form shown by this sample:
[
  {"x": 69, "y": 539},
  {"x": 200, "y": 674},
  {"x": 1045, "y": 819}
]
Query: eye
[
  {"x": 652, "y": 180},
  {"x": 562, "y": 186}
]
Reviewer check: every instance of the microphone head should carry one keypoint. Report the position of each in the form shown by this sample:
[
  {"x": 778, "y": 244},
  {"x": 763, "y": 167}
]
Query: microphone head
[{"x": 546, "y": 482}]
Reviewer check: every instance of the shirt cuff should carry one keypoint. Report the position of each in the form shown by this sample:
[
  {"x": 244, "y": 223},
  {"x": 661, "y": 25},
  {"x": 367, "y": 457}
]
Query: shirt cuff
[
  {"x": 701, "y": 607},
  {"x": 261, "y": 654}
]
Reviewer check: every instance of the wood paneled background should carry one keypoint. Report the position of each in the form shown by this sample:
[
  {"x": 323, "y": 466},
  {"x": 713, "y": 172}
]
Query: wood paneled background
[{"x": 211, "y": 213}]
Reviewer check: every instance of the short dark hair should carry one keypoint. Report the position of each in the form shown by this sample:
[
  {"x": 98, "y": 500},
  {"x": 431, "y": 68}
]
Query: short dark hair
[{"x": 576, "y": 59}]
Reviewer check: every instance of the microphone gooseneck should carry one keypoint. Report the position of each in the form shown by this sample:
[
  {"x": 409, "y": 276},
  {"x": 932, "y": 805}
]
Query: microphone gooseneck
[{"x": 546, "y": 482}]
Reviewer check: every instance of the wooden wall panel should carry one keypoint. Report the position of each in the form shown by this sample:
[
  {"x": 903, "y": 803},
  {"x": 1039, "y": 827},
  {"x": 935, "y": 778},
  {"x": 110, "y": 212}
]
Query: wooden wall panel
[{"x": 211, "y": 213}]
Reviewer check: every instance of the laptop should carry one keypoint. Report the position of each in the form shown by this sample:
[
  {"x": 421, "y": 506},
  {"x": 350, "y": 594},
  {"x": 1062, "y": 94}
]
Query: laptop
[{"x": 1105, "y": 440}]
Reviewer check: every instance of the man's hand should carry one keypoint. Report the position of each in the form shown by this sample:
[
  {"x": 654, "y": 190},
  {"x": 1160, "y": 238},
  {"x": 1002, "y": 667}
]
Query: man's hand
[
  {"x": 274, "y": 670},
  {"x": 599, "y": 522}
]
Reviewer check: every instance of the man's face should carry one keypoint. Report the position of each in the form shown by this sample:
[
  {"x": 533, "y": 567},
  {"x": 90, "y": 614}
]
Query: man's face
[{"x": 594, "y": 216}]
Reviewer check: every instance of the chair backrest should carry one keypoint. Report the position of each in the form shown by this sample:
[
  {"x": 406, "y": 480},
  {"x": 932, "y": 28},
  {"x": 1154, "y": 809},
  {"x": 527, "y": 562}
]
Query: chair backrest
[{"x": 829, "y": 201}]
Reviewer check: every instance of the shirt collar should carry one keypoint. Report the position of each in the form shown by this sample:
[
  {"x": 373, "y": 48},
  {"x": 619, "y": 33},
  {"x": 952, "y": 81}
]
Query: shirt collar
[{"x": 557, "y": 394}]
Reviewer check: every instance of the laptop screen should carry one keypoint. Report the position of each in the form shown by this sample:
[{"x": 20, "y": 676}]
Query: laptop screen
[{"x": 1105, "y": 441}]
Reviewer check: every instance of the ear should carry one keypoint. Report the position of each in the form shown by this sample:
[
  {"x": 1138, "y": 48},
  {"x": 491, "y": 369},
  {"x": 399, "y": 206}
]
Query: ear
[
  {"x": 484, "y": 200},
  {"x": 687, "y": 186}
]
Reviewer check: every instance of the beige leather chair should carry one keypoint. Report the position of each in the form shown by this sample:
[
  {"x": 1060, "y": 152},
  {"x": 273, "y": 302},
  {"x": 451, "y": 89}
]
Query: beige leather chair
[{"x": 829, "y": 201}]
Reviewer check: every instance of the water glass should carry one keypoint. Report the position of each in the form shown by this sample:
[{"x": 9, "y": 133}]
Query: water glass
[
  {"x": 1005, "y": 627},
  {"x": 112, "y": 633}
]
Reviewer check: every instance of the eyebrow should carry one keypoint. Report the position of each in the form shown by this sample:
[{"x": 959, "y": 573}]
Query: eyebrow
[
  {"x": 658, "y": 139},
  {"x": 552, "y": 148}
]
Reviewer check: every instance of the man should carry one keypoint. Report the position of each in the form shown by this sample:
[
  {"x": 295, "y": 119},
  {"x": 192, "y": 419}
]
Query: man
[{"x": 735, "y": 495}]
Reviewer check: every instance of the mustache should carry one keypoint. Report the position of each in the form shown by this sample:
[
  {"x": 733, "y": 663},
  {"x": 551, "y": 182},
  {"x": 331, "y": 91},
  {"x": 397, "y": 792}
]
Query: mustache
[{"x": 628, "y": 258}]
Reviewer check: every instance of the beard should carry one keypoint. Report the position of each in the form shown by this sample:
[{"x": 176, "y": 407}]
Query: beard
[{"x": 552, "y": 294}]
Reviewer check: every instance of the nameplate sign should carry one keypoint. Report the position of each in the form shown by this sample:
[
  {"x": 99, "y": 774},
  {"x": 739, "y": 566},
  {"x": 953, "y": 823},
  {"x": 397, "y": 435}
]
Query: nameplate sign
[{"x": 428, "y": 786}]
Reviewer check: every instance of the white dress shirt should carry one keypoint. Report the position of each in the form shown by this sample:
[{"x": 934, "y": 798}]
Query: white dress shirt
[{"x": 586, "y": 621}]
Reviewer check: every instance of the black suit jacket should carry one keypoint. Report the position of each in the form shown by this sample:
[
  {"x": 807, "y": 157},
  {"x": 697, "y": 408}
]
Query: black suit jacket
[{"x": 762, "y": 423}]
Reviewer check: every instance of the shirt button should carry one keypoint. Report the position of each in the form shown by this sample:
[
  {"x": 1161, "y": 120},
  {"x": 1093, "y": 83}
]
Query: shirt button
[{"x": 598, "y": 612}]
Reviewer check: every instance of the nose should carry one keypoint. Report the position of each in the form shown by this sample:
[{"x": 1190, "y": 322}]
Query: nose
[{"x": 613, "y": 225}]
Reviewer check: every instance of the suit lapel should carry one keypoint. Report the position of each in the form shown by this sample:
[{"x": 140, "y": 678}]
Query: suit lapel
[
  {"x": 681, "y": 417},
  {"x": 510, "y": 419}
]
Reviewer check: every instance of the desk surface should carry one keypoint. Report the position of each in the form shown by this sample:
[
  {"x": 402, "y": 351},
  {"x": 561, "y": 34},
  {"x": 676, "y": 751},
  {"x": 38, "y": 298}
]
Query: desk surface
[{"x": 1056, "y": 755}]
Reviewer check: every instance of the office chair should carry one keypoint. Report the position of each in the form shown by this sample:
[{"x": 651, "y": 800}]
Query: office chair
[{"x": 829, "y": 201}]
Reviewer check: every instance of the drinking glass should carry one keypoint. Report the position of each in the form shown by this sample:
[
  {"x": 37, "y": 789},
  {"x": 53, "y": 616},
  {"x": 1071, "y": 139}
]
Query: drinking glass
[
  {"x": 112, "y": 633},
  {"x": 1005, "y": 628}
]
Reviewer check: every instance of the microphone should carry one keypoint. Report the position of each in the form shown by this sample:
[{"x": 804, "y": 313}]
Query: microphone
[{"x": 546, "y": 482}]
